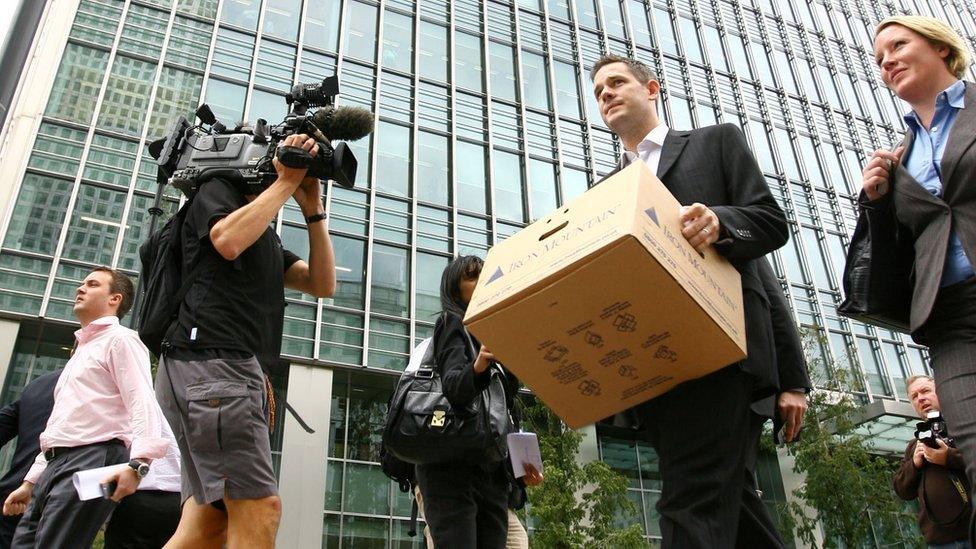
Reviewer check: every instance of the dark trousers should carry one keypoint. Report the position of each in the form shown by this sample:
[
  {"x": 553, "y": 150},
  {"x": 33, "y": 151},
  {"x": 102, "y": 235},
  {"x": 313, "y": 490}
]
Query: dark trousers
[
  {"x": 464, "y": 505},
  {"x": 951, "y": 336},
  {"x": 7, "y": 527},
  {"x": 756, "y": 526},
  {"x": 56, "y": 518},
  {"x": 144, "y": 520},
  {"x": 700, "y": 431}
]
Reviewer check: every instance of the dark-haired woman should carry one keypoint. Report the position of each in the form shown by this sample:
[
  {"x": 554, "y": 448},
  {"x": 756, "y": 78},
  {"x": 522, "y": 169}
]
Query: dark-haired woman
[
  {"x": 928, "y": 185},
  {"x": 465, "y": 503}
]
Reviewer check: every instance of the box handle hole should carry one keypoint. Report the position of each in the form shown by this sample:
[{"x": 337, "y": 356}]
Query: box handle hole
[{"x": 553, "y": 231}]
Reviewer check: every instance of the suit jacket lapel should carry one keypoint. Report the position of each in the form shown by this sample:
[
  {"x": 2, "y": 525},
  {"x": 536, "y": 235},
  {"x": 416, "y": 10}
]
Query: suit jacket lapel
[
  {"x": 960, "y": 138},
  {"x": 674, "y": 143}
]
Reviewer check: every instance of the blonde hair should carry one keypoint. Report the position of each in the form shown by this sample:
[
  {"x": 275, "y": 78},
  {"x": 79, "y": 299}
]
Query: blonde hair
[
  {"x": 913, "y": 379},
  {"x": 937, "y": 33}
]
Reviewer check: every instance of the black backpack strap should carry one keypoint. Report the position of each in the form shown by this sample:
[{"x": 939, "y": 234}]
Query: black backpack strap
[
  {"x": 413, "y": 517},
  {"x": 181, "y": 295},
  {"x": 294, "y": 413}
]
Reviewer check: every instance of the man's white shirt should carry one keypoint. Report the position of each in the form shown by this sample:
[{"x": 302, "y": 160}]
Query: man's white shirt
[{"x": 649, "y": 149}]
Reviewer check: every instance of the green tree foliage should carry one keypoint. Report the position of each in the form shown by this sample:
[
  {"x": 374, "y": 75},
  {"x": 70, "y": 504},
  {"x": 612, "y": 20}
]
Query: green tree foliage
[
  {"x": 848, "y": 485},
  {"x": 578, "y": 505}
]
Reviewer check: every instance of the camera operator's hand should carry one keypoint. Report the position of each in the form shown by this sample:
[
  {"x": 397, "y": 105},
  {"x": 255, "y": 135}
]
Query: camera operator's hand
[
  {"x": 938, "y": 455},
  {"x": 918, "y": 458},
  {"x": 308, "y": 195},
  {"x": 295, "y": 175}
]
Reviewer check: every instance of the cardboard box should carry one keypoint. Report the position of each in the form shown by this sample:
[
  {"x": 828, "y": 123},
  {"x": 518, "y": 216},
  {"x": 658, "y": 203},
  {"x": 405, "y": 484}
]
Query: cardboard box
[{"x": 603, "y": 304}]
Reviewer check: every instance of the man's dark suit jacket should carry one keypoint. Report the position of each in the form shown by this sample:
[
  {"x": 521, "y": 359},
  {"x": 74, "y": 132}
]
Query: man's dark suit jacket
[
  {"x": 791, "y": 364},
  {"x": 714, "y": 166},
  {"x": 926, "y": 219},
  {"x": 26, "y": 419}
]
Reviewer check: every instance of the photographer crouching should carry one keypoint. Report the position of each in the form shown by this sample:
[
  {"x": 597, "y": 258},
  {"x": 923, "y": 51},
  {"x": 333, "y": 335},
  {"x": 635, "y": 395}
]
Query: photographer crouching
[{"x": 934, "y": 472}]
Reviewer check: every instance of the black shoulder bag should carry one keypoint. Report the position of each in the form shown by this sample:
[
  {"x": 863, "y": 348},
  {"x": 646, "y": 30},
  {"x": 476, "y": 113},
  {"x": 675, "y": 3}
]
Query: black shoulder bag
[
  {"x": 423, "y": 428},
  {"x": 877, "y": 275}
]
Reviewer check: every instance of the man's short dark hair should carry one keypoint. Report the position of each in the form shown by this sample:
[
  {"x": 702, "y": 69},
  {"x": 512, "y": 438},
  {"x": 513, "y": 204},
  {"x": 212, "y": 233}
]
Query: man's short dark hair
[
  {"x": 641, "y": 72},
  {"x": 120, "y": 284}
]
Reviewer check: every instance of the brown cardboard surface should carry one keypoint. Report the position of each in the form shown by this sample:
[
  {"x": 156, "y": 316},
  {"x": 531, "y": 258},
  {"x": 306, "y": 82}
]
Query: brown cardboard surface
[{"x": 603, "y": 304}]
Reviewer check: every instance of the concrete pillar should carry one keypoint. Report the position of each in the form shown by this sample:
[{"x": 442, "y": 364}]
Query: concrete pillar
[
  {"x": 29, "y": 100},
  {"x": 791, "y": 481},
  {"x": 304, "y": 457},
  {"x": 8, "y": 338}
]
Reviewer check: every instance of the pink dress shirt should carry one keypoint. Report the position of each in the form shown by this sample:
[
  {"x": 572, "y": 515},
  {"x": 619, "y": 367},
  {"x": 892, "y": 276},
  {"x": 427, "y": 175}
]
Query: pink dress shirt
[{"x": 105, "y": 393}]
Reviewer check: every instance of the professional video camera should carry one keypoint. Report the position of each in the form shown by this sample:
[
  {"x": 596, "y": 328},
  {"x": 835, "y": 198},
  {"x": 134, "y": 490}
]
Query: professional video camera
[
  {"x": 192, "y": 155},
  {"x": 932, "y": 429}
]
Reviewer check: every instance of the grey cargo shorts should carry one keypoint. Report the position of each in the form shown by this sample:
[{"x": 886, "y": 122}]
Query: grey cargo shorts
[{"x": 218, "y": 411}]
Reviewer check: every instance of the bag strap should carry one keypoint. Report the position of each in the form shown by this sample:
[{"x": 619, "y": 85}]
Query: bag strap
[
  {"x": 413, "y": 515},
  {"x": 962, "y": 494}
]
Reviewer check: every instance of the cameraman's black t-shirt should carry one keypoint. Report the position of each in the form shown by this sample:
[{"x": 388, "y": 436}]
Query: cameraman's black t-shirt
[{"x": 239, "y": 304}]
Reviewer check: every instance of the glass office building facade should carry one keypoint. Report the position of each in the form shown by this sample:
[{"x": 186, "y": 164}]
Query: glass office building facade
[{"x": 485, "y": 121}]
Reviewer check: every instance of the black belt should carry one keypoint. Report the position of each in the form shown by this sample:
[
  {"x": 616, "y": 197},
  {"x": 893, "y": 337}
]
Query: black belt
[{"x": 52, "y": 453}]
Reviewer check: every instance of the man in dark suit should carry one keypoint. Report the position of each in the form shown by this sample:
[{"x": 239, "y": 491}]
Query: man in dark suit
[
  {"x": 786, "y": 409},
  {"x": 702, "y": 429},
  {"x": 25, "y": 419}
]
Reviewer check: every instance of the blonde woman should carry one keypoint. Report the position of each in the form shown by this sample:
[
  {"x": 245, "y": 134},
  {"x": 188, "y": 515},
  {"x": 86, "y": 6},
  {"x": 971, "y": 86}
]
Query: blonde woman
[{"x": 928, "y": 185}]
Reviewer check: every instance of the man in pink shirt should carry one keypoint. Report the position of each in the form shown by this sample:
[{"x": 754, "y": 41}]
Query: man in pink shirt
[{"x": 104, "y": 413}]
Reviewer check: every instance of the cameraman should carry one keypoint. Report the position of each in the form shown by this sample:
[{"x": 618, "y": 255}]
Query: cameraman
[
  {"x": 211, "y": 382},
  {"x": 936, "y": 476}
]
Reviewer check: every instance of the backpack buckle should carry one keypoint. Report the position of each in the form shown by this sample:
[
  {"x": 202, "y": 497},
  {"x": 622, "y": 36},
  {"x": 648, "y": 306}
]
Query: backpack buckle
[
  {"x": 440, "y": 416},
  {"x": 427, "y": 373}
]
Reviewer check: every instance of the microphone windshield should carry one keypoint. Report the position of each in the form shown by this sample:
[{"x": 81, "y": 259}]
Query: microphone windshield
[{"x": 344, "y": 123}]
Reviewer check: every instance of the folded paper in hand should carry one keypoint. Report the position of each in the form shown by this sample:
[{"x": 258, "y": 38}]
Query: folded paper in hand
[
  {"x": 87, "y": 483},
  {"x": 524, "y": 448}
]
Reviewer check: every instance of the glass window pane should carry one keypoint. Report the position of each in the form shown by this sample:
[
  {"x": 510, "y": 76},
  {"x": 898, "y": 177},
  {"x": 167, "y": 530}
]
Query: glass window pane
[
  {"x": 503, "y": 84},
  {"x": 574, "y": 183},
  {"x": 535, "y": 80},
  {"x": 350, "y": 272},
  {"x": 471, "y": 176},
  {"x": 467, "y": 62},
  {"x": 23, "y": 281},
  {"x": 367, "y": 491},
  {"x": 233, "y": 54},
  {"x": 76, "y": 86},
  {"x": 342, "y": 337},
  {"x": 97, "y": 22},
  {"x": 57, "y": 149},
  {"x": 281, "y": 18},
  {"x": 365, "y": 532},
  {"x": 428, "y": 294},
  {"x": 507, "y": 178},
  {"x": 322, "y": 24},
  {"x": 37, "y": 218},
  {"x": 567, "y": 90},
  {"x": 433, "y": 51},
  {"x": 226, "y": 100},
  {"x": 190, "y": 43},
  {"x": 242, "y": 13},
  {"x": 276, "y": 66},
  {"x": 144, "y": 31},
  {"x": 393, "y": 158},
  {"x": 94, "y": 225},
  {"x": 433, "y": 170},
  {"x": 266, "y": 105},
  {"x": 390, "y": 281},
  {"x": 542, "y": 176},
  {"x": 178, "y": 93},
  {"x": 361, "y": 31},
  {"x": 127, "y": 96},
  {"x": 397, "y": 41}
]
